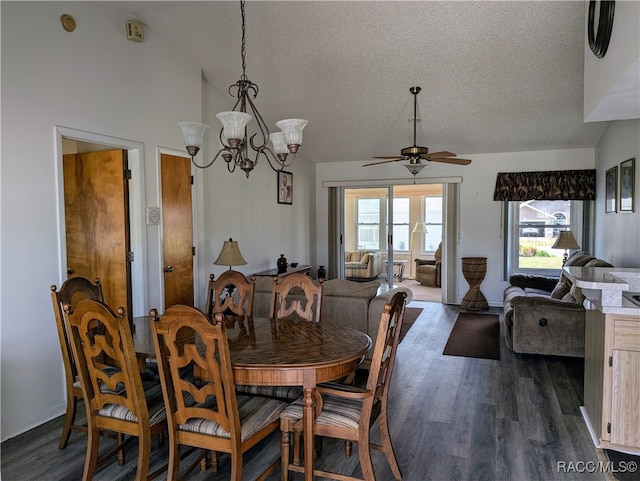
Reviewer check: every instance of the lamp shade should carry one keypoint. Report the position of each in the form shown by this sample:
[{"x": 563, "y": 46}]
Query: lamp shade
[
  {"x": 234, "y": 123},
  {"x": 414, "y": 168},
  {"x": 565, "y": 240},
  {"x": 292, "y": 130},
  {"x": 193, "y": 133},
  {"x": 230, "y": 255},
  {"x": 278, "y": 143},
  {"x": 420, "y": 228}
]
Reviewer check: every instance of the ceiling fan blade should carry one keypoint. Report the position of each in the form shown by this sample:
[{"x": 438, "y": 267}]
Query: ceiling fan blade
[
  {"x": 395, "y": 159},
  {"x": 443, "y": 153},
  {"x": 388, "y": 157},
  {"x": 448, "y": 160}
]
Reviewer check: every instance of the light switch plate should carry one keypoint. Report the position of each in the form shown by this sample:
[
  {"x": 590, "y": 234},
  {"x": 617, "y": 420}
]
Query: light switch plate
[{"x": 153, "y": 216}]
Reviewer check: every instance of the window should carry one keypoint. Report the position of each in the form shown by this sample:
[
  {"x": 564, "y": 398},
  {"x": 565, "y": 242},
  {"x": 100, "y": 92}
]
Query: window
[
  {"x": 533, "y": 227},
  {"x": 401, "y": 206},
  {"x": 369, "y": 223},
  {"x": 433, "y": 219}
]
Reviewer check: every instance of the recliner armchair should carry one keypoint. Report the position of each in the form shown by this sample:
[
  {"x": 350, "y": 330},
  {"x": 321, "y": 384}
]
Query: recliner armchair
[{"x": 429, "y": 271}]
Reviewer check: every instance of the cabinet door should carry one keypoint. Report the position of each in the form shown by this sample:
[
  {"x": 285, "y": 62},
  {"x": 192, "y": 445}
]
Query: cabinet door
[{"x": 625, "y": 398}]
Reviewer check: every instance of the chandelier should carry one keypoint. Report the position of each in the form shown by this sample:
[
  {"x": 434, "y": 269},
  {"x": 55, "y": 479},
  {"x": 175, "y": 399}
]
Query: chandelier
[{"x": 234, "y": 150}]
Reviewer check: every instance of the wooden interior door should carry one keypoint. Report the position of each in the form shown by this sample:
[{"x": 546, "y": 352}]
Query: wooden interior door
[
  {"x": 177, "y": 230},
  {"x": 96, "y": 199}
]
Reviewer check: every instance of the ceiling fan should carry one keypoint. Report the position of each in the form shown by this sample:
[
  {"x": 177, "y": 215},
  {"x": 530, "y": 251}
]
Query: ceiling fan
[{"x": 415, "y": 154}]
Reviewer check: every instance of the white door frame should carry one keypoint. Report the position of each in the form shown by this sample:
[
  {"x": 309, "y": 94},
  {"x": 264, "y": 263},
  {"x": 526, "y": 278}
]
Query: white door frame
[{"x": 138, "y": 246}]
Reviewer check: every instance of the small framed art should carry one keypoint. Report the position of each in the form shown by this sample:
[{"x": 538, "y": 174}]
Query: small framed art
[
  {"x": 611, "y": 191},
  {"x": 627, "y": 181},
  {"x": 285, "y": 187}
]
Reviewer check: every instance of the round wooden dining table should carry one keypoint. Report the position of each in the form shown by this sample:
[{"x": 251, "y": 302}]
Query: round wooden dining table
[{"x": 281, "y": 352}]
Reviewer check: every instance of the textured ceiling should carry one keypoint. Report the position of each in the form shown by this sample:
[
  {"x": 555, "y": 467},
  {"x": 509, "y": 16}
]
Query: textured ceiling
[{"x": 496, "y": 76}]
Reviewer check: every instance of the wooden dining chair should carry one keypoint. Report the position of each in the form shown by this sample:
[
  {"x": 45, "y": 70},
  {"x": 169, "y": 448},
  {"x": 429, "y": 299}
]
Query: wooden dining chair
[
  {"x": 116, "y": 396},
  {"x": 230, "y": 293},
  {"x": 71, "y": 291},
  {"x": 207, "y": 413},
  {"x": 296, "y": 296},
  {"x": 346, "y": 412}
]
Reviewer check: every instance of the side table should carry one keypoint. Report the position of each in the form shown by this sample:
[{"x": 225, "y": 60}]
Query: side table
[
  {"x": 305, "y": 269},
  {"x": 400, "y": 265},
  {"x": 474, "y": 269}
]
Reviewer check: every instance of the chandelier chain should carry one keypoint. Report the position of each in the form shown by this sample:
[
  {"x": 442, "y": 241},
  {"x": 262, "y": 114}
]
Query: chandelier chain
[
  {"x": 243, "y": 50},
  {"x": 234, "y": 137}
]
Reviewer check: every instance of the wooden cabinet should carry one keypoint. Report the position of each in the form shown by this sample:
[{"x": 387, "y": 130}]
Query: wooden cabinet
[{"x": 612, "y": 380}]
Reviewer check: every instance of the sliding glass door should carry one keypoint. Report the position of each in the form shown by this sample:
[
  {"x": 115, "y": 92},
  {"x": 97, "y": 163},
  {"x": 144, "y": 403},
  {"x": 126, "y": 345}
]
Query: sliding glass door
[
  {"x": 366, "y": 243},
  {"x": 385, "y": 228}
]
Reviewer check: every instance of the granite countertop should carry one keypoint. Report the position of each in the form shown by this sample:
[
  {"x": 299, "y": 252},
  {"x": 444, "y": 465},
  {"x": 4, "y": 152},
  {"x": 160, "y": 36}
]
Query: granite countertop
[{"x": 607, "y": 288}]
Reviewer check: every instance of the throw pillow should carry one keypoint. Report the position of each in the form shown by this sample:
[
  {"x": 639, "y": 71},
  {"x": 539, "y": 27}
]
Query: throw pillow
[
  {"x": 560, "y": 290},
  {"x": 365, "y": 258},
  {"x": 577, "y": 294}
]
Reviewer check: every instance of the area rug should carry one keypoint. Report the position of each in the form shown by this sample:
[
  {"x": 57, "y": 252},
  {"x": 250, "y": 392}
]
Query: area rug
[
  {"x": 410, "y": 316},
  {"x": 623, "y": 466},
  {"x": 474, "y": 335}
]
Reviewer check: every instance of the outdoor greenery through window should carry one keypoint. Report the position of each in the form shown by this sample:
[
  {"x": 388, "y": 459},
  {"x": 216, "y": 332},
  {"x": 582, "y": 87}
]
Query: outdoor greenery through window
[
  {"x": 433, "y": 220},
  {"x": 534, "y": 228}
]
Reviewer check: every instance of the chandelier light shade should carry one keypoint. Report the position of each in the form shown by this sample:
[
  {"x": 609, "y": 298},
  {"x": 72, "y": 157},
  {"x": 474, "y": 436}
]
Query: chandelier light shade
[
  {"x": 234, "y": 138},
  {"x": 230, "y": 255},
  {"x": 193, "y": 134},
  {"x": 565, "y": 240}
]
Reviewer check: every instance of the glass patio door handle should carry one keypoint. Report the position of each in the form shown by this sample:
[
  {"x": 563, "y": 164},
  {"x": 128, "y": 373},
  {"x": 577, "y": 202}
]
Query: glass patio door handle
[{"x": 169, "y": 268}]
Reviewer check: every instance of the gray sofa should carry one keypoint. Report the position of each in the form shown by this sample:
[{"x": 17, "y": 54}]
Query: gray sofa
[
  {"x": 545, "y": 315},
  {"x": 349, "y": 303}
]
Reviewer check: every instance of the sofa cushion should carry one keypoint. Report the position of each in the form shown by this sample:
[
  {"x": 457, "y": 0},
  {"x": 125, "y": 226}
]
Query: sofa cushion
[
  {"x": 344, "y": 288},
  {"x": 578, "y": 259},
  {"x": 597, "y": 263},
  {"x": 365, "y": 258}
]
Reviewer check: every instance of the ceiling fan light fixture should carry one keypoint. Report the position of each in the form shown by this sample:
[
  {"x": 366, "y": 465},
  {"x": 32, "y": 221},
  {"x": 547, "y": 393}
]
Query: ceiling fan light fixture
[
  {"x": 414, "y": 168},
  {"x": 416, "y": 153}
]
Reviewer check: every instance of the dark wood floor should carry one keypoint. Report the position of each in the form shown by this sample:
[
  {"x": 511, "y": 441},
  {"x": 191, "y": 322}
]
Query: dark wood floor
[{"x": 452, "y": 418}]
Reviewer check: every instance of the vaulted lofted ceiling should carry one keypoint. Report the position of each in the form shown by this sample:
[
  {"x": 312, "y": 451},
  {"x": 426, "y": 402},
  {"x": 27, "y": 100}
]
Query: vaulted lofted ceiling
[{"x": 495, "y": 76}]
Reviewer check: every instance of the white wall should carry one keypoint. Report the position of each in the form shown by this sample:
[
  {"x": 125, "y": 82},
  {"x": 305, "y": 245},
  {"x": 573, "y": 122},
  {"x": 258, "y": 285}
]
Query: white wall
[
  {"x": 612, "y": 83},
  {"x": 95, "y": 80},
  {"x": 617, "y": 238},
  {"x": 480, "y": 216}
]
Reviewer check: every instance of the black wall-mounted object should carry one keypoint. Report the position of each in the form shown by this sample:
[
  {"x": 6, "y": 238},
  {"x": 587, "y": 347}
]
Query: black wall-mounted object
[{"x": 599, "y": 42}]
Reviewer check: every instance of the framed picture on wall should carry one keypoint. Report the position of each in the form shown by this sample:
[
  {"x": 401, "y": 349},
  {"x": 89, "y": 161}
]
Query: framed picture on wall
[
  {"x": 627, "y": 181},
  {"x": 285, "y": 187},
  {"x": 611, "y": 191}
]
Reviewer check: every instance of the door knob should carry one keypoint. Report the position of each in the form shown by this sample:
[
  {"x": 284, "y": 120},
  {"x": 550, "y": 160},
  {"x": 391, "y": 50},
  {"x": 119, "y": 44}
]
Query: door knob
[{"x": 169, "y": 268}]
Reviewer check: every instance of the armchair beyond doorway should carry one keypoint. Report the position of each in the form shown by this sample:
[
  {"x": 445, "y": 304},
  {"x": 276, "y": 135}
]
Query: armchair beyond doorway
[{"x": 429, "y": 271}]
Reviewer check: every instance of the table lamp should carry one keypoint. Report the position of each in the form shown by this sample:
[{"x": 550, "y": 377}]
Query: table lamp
[
  {"x": 565, "y": 241},
  {"x": 230, "y": 255},
  {"x": 419, "y": 228}
]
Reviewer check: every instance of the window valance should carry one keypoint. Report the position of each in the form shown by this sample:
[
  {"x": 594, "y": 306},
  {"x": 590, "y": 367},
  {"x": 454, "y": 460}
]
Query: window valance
[{"x": 546, "y": 185}]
